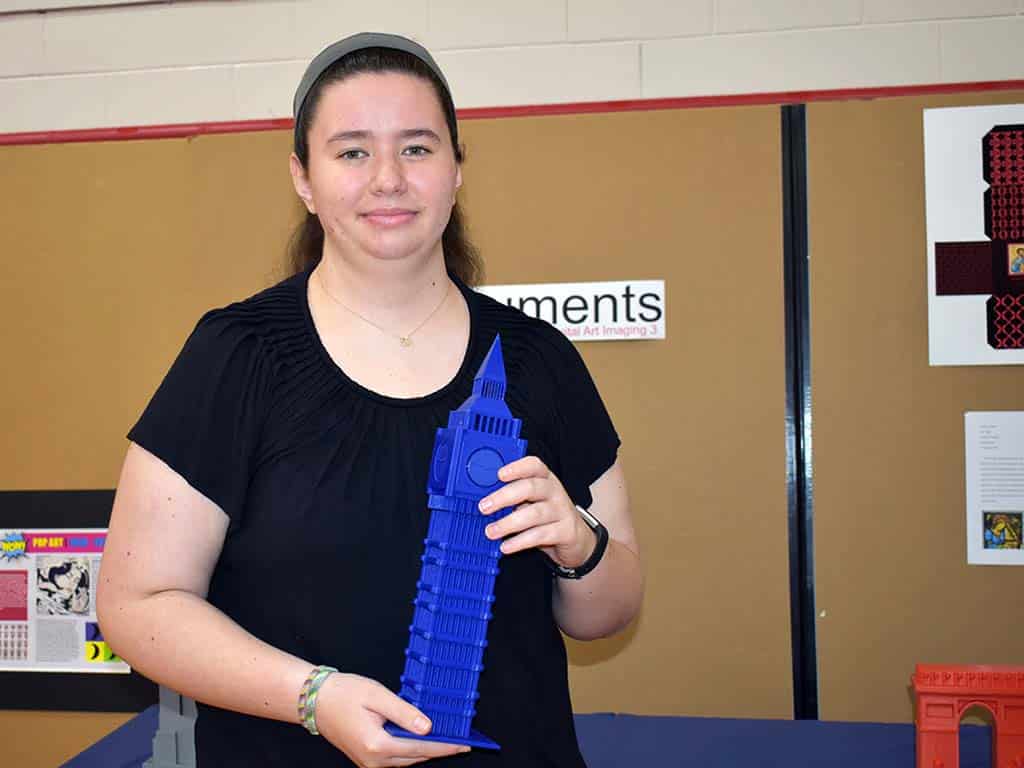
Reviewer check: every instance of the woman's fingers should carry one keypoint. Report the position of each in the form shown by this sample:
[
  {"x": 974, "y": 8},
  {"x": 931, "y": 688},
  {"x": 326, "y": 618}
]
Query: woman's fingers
[
  {"x": 542, "y": 536},
  {"x": 563, "y": 537},
  {"x": 397, "y": 710},
  {"x": 525, "y": 479},
  {"x": 415, "y": 751},
  {"x": 516, "y": 492},
  {"x": 543, "y": 517},
  {"x": 525, "y": 516},
  {"x": 380, "y": 748},
  {"x": 403, "y": 714},
  {"x": 351, "y": 713},
  {"x": 528, "y": 466}
]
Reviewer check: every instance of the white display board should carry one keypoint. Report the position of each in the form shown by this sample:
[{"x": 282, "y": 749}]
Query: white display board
[{"x": 955, "y": 211}]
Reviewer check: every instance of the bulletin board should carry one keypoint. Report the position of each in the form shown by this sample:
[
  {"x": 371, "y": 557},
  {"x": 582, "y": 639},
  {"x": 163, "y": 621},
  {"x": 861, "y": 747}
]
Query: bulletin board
[
  {"x": 892, "y": 580},
  {"x": 119, "y": 247}
]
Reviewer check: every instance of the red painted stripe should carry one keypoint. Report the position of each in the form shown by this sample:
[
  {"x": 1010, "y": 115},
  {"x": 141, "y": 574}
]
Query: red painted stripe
[
  {"x": 186, "y": 130},
  {"x": 174, "y": 131},
  {"x": 49, "y": 8},
  {"x": 742, "y": 99}
]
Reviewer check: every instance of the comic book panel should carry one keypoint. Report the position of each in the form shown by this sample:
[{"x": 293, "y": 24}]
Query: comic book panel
[{"x": 62, "y": 586}]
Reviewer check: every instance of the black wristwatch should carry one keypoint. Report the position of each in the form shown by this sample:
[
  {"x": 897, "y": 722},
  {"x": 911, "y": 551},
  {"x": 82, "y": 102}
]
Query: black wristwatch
[{"x": 591, "y": 562}]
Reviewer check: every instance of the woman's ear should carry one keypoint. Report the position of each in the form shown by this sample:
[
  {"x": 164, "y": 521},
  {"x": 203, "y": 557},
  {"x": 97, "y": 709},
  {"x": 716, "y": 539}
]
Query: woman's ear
[{"x": 300, "y": 180}]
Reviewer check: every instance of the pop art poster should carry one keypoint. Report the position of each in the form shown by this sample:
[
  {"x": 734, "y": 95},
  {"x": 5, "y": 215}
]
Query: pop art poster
[
  {"x": 48, "y": 602},
  {"x": 974, "y": 202}
]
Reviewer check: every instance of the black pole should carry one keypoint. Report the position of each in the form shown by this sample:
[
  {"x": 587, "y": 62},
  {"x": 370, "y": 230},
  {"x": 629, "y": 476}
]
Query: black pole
[{"x": 799, "y": 474}]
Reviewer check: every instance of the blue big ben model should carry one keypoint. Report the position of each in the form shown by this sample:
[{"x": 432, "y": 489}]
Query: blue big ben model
[{"x": 456, "y": 587}]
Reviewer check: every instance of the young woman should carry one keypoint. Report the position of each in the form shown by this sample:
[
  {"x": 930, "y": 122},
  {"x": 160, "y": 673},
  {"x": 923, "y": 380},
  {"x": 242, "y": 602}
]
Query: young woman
[{"x": 271, "y": 509}]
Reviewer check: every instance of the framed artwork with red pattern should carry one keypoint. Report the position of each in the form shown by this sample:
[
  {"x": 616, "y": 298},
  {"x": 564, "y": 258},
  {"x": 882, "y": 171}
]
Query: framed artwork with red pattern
[{"x": 974, "y": 200}]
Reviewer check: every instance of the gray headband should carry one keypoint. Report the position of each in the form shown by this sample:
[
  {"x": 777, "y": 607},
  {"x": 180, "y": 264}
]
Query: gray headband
[{"x": 357, "y": 42}]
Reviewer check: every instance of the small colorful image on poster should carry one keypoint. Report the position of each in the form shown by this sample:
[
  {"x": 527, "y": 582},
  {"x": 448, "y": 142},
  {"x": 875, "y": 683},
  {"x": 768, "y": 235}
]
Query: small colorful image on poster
[
  {"x": 48, "y": 602},
  {"x": 1015, "y": 261},
  {"x": 13, "y": 641},
  {"x": 13, "y": 595},
  {"x": 974, "y": 202},
  {"x": 1002, "y": 530},
  {"x": 96, "y": 649}
]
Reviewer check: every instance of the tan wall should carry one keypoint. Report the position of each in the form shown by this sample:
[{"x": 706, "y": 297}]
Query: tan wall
[
  {"x": 893, "y": 584},
  {"x": 48, "y": 739},
  {"x": 685, "y": 196}
]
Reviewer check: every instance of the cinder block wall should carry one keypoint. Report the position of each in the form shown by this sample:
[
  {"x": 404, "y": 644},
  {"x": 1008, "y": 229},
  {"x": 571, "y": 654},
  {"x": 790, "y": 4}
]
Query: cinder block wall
[{"x": 210, "y": 60}]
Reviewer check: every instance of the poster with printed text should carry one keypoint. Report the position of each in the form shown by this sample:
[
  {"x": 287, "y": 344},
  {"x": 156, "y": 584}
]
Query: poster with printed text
[
  {"x": 974, "y": 204},
  {"x": 48, "y": 584},
  {"x": 995, "y": 487}
]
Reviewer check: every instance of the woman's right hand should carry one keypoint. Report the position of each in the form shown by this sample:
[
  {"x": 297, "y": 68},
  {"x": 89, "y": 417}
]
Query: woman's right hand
[{"x": 351, "y": 712}]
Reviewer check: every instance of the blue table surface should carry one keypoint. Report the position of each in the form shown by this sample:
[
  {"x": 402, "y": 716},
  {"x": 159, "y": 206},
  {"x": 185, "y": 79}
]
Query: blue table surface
[{"x": 613, "y": 740}]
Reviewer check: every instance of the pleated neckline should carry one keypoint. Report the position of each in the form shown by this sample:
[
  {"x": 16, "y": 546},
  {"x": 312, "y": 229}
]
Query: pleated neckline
[{"x": 301, "y": 287}]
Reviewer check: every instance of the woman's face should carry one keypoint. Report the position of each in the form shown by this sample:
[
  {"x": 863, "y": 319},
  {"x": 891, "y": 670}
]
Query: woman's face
[{"x": 382, "y": 173}]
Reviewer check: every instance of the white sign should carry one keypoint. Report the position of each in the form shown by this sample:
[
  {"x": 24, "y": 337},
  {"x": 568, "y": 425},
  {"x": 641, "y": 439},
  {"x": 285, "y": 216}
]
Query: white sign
[
  {"x": 995, "y": 487},
  {"x": 626, "y": 310},
  {"x": 955, "y": 189}
]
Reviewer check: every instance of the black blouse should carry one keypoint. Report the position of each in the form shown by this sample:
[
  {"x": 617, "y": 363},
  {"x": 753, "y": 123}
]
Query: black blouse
[{"x": 324, "y": 484}]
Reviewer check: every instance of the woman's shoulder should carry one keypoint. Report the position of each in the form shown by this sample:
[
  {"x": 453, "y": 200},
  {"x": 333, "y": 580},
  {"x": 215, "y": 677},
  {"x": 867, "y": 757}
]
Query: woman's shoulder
[{"x": 268, "y": 317}]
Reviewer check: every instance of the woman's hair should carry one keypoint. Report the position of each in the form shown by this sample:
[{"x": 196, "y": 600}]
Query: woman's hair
[{"x": 307, "y": 241}]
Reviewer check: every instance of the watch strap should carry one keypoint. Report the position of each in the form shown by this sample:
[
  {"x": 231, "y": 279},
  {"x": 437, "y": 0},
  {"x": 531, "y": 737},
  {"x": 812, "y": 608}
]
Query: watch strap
[{"x": 591, "y": 562}]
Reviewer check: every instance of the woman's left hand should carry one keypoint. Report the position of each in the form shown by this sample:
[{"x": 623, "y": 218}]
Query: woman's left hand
[{"x": 543, "y": 515}]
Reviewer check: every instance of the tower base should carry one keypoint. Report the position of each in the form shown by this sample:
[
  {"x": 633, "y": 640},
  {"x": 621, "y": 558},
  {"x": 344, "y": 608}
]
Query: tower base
[{"x": 475, "y": 738}]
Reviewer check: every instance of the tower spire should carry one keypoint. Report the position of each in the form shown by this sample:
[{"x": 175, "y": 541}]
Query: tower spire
[{"x": 490, "y": 378}]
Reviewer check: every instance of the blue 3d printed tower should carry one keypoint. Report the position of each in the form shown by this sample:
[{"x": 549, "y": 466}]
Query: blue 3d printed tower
[{"x": 456, "y": 587}]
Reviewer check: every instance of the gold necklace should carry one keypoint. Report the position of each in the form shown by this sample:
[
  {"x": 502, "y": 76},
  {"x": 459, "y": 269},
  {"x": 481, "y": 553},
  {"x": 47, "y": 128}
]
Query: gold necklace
[{"x": 406, "y": 340}]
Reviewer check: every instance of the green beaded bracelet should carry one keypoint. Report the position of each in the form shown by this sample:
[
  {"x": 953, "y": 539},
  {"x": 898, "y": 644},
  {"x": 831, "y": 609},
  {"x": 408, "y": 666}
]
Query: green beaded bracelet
[{"x": 308, "y": 696}]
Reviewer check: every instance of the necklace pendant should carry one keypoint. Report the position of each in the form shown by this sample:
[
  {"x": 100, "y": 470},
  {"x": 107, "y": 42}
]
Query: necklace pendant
[{"x": 405, "y": 341}]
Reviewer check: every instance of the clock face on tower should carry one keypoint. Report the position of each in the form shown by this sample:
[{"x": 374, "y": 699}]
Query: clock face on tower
[
  {"x": 466, "y": 461},
  {"x": 441, "y": 462},
  {"x": 482, "y": 467}
]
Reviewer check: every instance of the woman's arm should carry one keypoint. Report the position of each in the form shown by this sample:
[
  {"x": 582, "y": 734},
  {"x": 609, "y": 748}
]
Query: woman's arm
[
  {"x": 164, "y": 541},
  {"x": 606, "y": 599}
]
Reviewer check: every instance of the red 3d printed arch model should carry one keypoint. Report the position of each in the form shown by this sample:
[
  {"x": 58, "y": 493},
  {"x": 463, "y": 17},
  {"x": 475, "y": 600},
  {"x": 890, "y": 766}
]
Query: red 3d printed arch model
[{"x": 942, "y": 693}]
